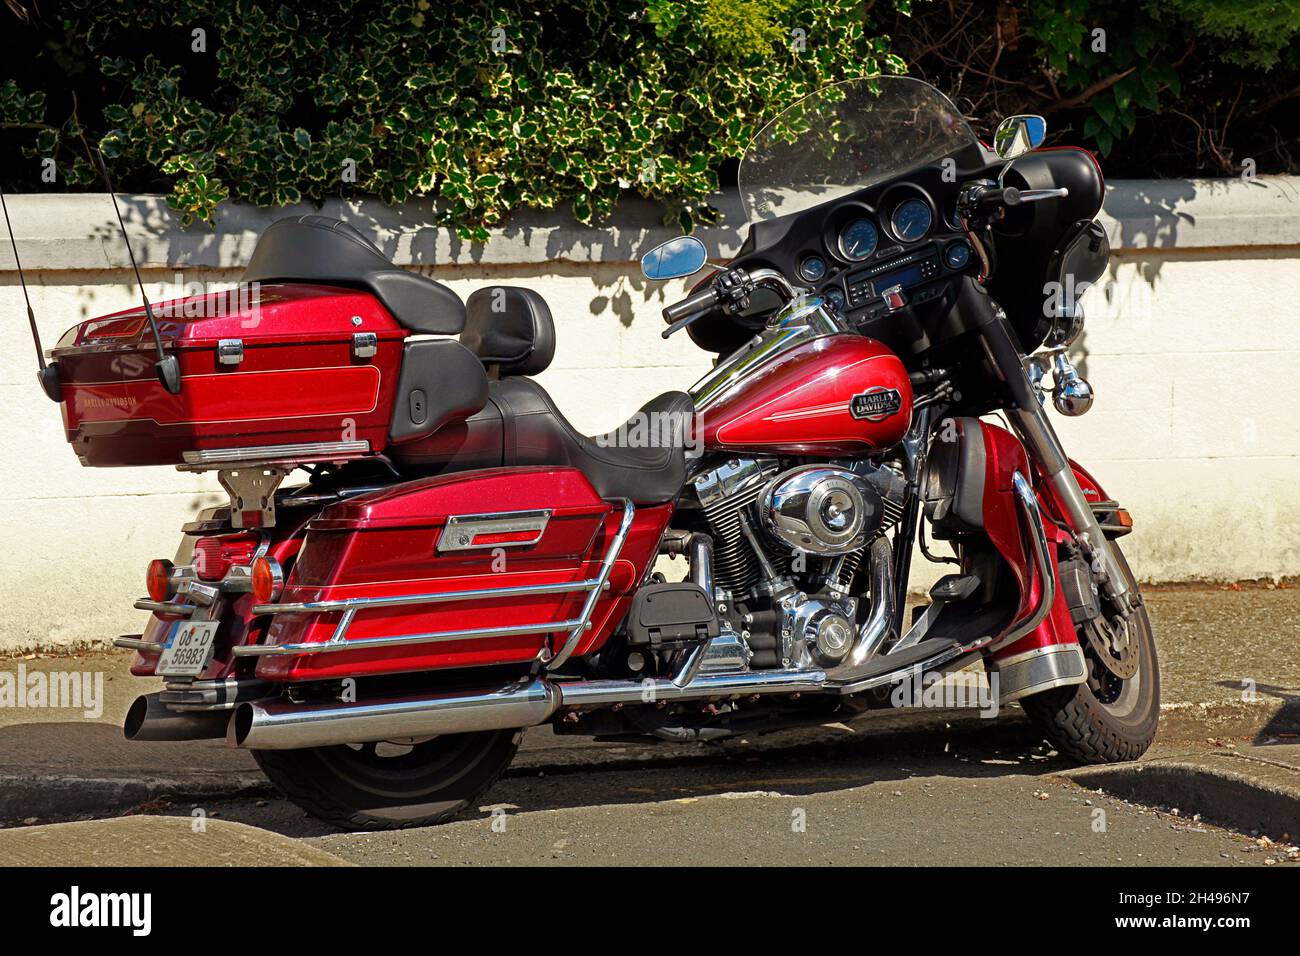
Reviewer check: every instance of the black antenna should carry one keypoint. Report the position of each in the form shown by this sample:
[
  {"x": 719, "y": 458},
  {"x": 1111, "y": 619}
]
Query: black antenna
[
  {"x": 169, "y": 371},
  {"x": 48, "y": 375}
]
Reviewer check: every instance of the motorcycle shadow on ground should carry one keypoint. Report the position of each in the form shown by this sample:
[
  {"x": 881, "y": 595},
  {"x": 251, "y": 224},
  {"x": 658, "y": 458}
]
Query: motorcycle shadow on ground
[
  {"x": 1285, "y": 720},
  {"x": 554, "y": 772}
]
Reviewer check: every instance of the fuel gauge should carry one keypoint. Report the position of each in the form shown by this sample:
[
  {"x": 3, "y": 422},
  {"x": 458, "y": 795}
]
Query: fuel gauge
[{"x": 813, "y": 268}]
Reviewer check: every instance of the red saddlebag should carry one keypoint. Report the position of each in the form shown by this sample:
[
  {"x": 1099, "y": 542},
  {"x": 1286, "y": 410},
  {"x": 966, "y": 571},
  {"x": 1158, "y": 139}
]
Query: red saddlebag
[{"x": 503, "y": 528}]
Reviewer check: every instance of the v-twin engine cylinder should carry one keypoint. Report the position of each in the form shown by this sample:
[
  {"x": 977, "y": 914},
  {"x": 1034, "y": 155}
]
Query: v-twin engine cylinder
[{"x": 825, "y": 511}]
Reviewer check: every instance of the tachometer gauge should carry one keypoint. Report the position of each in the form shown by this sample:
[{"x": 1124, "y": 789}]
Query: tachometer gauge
[
  {"x": 813, "y": 268},
  {"x": 911, "y": 220},
  {"x": 858, "y": 239}
]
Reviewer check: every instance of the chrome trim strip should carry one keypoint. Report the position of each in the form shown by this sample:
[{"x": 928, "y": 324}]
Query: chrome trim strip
[
  {"x": 1042, "y": 565},
  {"x": 461, "y": 531},
  {"x": 434, "y": 637},
  {"x": 1059, "y": 665},
  {"x": 361, "y": 604},
  {"x": 316, "y": 449},
  {"x": 1039, "y": 437},
  {"x": 799, "y": 322}
]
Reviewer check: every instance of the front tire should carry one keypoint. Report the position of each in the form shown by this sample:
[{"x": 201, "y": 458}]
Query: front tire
[
  {"x": 391, "y": 785},
  {"x": 1106, "y": 719}
]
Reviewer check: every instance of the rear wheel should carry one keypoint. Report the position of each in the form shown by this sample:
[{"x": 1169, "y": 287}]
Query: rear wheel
[
  {"x": 391, "y": 785},
  {"x": 1113, "y": 715}
]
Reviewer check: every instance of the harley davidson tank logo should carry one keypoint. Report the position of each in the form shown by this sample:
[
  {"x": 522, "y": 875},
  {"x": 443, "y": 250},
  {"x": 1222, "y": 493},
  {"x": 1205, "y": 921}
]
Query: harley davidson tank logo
[{"x": 876, "y": 404}]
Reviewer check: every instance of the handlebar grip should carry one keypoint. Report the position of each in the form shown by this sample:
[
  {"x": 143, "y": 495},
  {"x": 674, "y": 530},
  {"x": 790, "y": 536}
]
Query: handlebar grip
[{"x": 698, "y": 302}]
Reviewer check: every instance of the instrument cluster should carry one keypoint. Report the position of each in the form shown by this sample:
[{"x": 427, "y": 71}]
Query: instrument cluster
[{"x": 890, "y": 238}]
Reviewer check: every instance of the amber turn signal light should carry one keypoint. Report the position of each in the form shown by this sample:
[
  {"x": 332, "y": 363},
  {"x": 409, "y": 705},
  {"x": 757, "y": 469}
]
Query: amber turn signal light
[
  {"x": 158, "y": 579},
  {"x": 268, "y": 580}
]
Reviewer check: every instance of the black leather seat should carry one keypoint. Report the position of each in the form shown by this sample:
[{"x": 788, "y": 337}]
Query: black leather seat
[
  {"x": 321, "y": 249},
  {"x": 511, "y": 331},
  {"x": 644, "y": 460}
]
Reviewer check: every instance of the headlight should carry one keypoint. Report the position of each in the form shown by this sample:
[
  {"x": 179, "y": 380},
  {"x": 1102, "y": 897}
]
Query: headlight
[{"x": 1066, "y": 327}]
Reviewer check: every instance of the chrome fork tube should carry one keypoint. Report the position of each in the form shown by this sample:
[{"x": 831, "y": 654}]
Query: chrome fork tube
[
  {"x": 1040, "y": 438},
  {"x": 1030, "y": 420}
]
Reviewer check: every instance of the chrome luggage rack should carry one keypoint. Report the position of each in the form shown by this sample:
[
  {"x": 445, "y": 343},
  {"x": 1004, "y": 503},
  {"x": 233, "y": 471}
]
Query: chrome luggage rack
[{"x": 575, "y": 627}]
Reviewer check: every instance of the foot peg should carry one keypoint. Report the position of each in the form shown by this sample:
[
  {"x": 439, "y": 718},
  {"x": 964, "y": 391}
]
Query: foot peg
[{"x": 954, "y": 587}]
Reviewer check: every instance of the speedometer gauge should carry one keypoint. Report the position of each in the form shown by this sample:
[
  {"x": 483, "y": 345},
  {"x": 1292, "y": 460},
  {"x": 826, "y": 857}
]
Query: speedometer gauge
[
  {"x": 858, "y": 239},
  {"x": 911, "y": 220}
]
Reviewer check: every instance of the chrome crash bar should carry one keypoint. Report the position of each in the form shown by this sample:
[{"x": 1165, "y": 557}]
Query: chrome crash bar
[{"x": 349, "y": 607}]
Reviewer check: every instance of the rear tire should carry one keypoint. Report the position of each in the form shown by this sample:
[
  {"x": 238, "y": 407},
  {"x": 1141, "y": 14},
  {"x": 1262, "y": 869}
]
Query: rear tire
[
  {"x": 391, "y": 786},
  {"x": 1105, "y": 719}
]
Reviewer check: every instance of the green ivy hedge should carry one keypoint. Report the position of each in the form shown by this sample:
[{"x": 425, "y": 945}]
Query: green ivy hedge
[
  {"x": 493, "y": 106},
  {"x": 487, "y": 106}
]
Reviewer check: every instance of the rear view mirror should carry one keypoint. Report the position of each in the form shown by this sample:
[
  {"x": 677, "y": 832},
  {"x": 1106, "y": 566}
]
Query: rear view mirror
[
  {"x": 1017, "y": 135},
  {"x": 683, "y": 256}
]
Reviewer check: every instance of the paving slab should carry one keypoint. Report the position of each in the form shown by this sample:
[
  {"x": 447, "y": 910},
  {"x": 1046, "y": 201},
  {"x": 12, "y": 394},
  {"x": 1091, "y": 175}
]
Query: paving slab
[{"x": 156, "y": 841}]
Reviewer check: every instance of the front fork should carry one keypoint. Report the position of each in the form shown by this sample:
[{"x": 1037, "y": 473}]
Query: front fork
[{"x": 1030, "y": 421}]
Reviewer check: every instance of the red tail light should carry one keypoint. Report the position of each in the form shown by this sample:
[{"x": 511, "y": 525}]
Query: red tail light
[
  {"x": 158, "y": 579},
  {"x": 215, "y": 556},
  {"x": 268, "y": 580}
]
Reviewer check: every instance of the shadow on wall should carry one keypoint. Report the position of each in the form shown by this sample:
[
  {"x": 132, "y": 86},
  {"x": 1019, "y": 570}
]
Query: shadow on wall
[
  {"x": 409, "y": 235},
  {"x": 1148, "y": 213}
]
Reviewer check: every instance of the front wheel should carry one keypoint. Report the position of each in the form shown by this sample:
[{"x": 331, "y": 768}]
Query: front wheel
[
  {"x": 391, "y": 785},
  {"x": 1113, "y": 715}
]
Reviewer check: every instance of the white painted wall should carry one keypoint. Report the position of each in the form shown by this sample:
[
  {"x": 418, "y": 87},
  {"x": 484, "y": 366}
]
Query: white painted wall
[{"x": 1194, "y": 365}]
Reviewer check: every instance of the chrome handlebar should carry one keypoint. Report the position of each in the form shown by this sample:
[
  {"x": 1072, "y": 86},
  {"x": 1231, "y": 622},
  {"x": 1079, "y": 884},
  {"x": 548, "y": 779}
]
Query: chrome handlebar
[{"x": 730, "y": 291}]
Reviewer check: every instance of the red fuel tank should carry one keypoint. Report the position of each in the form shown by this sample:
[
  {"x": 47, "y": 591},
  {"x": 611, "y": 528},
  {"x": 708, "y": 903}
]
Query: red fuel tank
[{"x": 835, "y": 395}]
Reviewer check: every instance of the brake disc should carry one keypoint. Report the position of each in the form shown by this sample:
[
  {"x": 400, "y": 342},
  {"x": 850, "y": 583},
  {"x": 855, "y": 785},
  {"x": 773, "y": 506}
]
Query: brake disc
[{"x": 1115, "y": 645}]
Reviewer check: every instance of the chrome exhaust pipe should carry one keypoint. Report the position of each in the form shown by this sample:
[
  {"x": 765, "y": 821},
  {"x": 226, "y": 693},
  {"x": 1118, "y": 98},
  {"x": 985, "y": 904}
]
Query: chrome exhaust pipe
[
  {"x": 279, "y": 724},
  {"x": 880, "y": 620},
  {"x": 150, "y": 719}
]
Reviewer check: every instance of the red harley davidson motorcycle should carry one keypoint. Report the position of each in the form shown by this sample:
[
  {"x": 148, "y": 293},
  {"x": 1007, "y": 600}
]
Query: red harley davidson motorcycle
[{"x": 460, "y": 564}]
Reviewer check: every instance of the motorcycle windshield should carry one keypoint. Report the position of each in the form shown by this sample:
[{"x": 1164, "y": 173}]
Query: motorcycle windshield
[{"x": 846, "y": 137}]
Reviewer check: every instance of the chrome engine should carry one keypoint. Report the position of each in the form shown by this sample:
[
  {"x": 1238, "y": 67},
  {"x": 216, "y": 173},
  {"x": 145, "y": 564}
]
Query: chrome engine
[
  {"x": 811, "y": 517},
  {"x": 787, "y": 544}
]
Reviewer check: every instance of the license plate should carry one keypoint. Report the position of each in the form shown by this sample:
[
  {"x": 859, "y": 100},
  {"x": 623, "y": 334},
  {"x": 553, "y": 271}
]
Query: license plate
[{"x": 188, "y": 649}]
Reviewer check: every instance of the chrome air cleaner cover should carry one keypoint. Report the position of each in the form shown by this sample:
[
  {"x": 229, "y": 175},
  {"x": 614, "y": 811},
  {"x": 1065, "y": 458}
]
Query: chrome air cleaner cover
[{"x": 820, "y": 509}]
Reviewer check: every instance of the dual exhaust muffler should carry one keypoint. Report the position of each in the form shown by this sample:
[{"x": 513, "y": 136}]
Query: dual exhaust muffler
[{"x": 280, "y": 724}]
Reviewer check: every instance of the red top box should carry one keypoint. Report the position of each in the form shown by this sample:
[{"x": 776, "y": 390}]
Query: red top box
[{"x": 275, "y": 371}]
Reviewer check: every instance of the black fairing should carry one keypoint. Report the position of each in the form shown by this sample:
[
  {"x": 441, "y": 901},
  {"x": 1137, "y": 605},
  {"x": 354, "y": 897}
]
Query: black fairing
[
  {"x": 1029, "y": 245},
  {"x": 1032, "y": 238}
]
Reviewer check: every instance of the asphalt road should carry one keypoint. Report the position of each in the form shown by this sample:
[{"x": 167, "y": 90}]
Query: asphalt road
[
  {"x": 907, "y": 788},
  {"x": 843, "y": 803}
]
